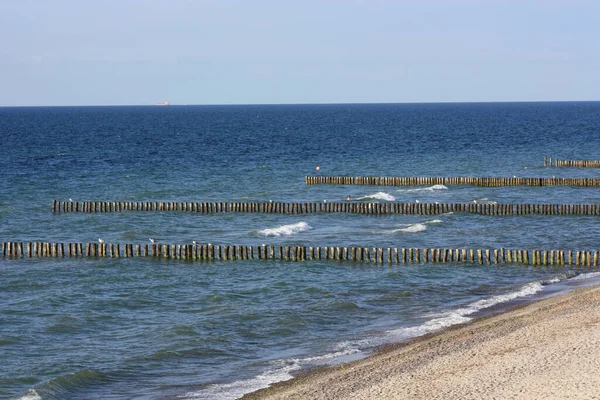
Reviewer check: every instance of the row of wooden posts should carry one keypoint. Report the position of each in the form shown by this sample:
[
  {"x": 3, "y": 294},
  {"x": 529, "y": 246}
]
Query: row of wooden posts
[
  {"x": 549, "y": 162},
  {"x": 458, "y": 180},
  {"x": 329, "y": 207},
  {"x": 211, "y": 252}
]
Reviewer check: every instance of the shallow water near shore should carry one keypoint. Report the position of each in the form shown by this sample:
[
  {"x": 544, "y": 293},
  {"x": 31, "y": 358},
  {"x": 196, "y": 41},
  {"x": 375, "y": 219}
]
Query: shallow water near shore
[{"x": 142, "y": 328}]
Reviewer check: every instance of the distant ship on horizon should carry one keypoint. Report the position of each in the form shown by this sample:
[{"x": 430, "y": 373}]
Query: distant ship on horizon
[{"x": 166, "y": 103}]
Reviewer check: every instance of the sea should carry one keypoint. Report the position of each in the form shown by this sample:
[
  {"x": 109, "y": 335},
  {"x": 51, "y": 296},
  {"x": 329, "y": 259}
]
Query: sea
[{"x": 145, "y": 328}]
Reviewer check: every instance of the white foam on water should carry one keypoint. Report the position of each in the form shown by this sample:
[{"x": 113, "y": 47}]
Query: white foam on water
[
  {"x": 282, "y": 372},
  {"x": 235, "y": 390},
  {"x": 526, "y": 290},
  {"x": 551, "y": 280},
  {"x": 442, "y": 320},
  {"x": 31, "y": 394},
  {"x": 286, "y": 230},
  {"x": 412, "y": 228},
  {"x": 378, "y": 196},
  {"x": 342, "y": 350},
  {"x": 484, "y": 200},
  {"x": 425, "y": 189},
  {"x": 461, "y": 315},
  {"x": 439, "y": 187},
  {"x": 284, "y": 369},
  {"x": 588, "y": 275}
]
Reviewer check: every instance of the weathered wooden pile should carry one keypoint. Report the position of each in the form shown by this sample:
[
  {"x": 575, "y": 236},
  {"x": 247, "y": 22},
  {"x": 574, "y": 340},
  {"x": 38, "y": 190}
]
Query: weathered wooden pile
[
  {"x": 446, "y": 181},
  {"x": 328, "y": 207},
  {"x": 549, "y": 162},
  {"x": 375, "y": 255},
  {"x": 211, "y": 252}
]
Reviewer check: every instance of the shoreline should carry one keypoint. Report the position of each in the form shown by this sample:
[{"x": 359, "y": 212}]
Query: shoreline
[{"x": 547, "y": 348}]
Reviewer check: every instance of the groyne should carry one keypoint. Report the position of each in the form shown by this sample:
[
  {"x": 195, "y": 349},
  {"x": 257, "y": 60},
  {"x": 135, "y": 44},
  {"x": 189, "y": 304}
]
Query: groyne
[
  {"x": 549, "y": 162},
  {"x": 446, "y": 181},
  {"x": 354, "y": 207},
  {"x": 372, "y": 255}
]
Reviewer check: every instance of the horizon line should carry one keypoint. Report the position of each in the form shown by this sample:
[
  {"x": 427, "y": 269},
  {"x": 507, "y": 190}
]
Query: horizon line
[{"x": 170, "y": 104}]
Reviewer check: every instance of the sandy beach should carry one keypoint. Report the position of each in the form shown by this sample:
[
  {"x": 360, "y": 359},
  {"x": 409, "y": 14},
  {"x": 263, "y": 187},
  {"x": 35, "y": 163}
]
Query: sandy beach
[{"x": 548, "y": 349}]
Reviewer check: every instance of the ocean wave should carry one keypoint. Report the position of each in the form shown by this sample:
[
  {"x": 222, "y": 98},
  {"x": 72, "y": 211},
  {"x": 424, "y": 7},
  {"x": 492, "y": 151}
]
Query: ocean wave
[
  {"x": 378, "y": 196},
  {"x": 425, "y": 189},
  {"x": 31, "y": 394},
  {"x": 326, "y": 358},
  {"x": 484, "y": 200},
  {"x": 526, "y": 290},
  {"x": 443, "y": 320},
  {"x": 414, "y": 228},
  {"x": 462, "y": 315},
  {"x": 587, "y": 275},
  {"x": 237, "y": 389},
  {"x": 347, "y": 348},
  {"x": 65, "y": 385},
  {"x": 281, "y": 371},
  {"x": 286, "y": 230}
]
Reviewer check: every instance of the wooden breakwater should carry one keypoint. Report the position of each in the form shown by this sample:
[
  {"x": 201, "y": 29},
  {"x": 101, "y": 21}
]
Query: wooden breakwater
[
  {"x": 549, "y": 162},
  {"x": 459, "y": 180},
  {"x": 374, "y": 255},
  {"x": 330, "y": 207}
]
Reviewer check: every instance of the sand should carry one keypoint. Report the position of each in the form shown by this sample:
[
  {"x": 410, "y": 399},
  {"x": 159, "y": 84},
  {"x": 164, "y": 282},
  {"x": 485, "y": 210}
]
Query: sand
[{"x": 548, "y": 349}]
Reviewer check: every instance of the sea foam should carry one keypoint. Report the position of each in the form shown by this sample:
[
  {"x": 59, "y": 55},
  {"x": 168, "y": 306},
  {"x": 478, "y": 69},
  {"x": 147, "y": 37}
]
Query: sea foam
[
  {"x": 484, "y": 200},
  {"x": 438, "y": 322},
  {"x": 425, "y": 189},
  {"x": 445, "y": 319},
  {"x": 31, "y": 394},
  {"x": 235, "y": 390},
  {"x": 588, "y": 275},
  {"x": 378, "y": 196},
  {"x": 286, "y": 230},
  {"x": 281, "y": 371},
  {"x": 414, "y": 228}
]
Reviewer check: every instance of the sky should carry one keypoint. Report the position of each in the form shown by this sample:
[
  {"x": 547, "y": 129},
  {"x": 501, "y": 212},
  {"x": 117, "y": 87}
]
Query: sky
[{"x": 137, "y": 52}]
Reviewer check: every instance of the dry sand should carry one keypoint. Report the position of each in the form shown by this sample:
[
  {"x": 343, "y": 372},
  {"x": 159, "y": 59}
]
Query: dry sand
[{"x": 545, "y": 350}]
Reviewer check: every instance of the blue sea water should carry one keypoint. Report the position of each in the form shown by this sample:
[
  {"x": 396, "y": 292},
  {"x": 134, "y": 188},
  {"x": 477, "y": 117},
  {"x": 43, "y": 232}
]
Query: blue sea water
[{"x": 143, "y": 328}]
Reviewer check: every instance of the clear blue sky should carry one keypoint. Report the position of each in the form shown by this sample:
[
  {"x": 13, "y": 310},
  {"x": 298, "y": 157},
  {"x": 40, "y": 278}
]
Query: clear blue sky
[{"x": 110, "y": 52}]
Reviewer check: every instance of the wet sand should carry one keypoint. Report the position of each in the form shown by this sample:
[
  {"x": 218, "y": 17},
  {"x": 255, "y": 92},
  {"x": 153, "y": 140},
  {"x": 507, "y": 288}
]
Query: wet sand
[{"x": 548, "y": 349}]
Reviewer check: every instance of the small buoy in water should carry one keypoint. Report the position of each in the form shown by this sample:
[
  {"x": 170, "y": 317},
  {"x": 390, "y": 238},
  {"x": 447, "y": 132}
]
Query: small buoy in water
[{"x": 318, "y": 168}]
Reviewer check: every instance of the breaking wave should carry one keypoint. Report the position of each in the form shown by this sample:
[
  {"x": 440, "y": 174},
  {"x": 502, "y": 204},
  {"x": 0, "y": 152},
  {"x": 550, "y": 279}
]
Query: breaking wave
[
  {"x": 425, "y": 189},
  {"x": 378, "y": 196},
  {"x": 286, "y": 230}
]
